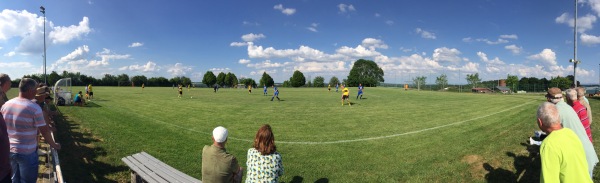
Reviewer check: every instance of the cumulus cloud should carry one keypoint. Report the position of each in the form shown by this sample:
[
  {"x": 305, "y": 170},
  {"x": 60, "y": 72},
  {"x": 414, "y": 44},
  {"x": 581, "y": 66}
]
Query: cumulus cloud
[
  {"x": 584, "y": 23},
  {"x": 511, "y": 36},
  {"x": 483, "y": 57},
  {"x": 266, "y": 64},
  {"x": 373, "y": 43},
  {"x": 425, "y": 34},
  {"x": 136, "y": 44},
  {"x": 244, "y": 61},
  {"x": 10, "y": 54},
  {"x": 179, "y": 69},
  {"x": 346, "y": 8},
  {"x": 514, "y": 49},
  {"x": 80, "y": 60},
  {"x": 66, "y": 34},
  {"x": 446, "y": 54},
  {"x": 238, "y": 44},
  {"x": 304, "y": 52},
  {"x": 589, "y": 39},
  {"x": 499, "y": 41},
  {"x": 220, "y": 69},
  {"x": 286, "y": 11},
  {"x": 252, "y": 37},
  {"x": 595, "y": 5},
  {"x": 547, "y": 57},
  {"x": 148, "y": 67},
  {"x": 321, "y": 67}
]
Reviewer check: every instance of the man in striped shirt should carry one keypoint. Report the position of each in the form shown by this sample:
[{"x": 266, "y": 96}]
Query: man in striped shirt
[
  {"x": 23, "y": 119},
  {"x": 580, "y": 110}
]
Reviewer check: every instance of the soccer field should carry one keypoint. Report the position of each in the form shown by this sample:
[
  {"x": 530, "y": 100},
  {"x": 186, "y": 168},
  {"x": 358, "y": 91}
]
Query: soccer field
[{"x": 391, "y": 135}]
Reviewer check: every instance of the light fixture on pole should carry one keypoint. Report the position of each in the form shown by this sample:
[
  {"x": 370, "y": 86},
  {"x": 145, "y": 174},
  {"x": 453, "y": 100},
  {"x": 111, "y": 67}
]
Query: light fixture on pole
[{"x": 43, "y": 10}]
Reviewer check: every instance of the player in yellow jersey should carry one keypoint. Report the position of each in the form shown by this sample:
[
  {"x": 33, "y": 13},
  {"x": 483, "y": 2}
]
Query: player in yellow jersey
[
  {"x": 249, "y": 89},
  {"x": 346, "y": 95},
  {"x": 180, "y": 88}
]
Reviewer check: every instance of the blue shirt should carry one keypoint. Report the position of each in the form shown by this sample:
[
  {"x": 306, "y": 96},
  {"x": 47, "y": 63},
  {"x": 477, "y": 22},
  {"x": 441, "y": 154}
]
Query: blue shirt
[{"x": 265, "y": 88}]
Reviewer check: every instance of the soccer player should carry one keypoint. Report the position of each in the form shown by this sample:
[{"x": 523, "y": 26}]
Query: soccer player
[
  {"x": 337, "y": 85},
  {"x": 249, "y": 89},
  {"x": 360, "y": 91},
  {"x": 216, "y": 87},
  {"x": 346, "y": 95},
  {"x": 329, "y": 87},
  {"x": 91, "y": 92},
  {"x": 276, "y": 94},
  {"x": 265, "y": 90},
  {"x": 142, "y": 87},
  {"x": 180, "y": 88}
]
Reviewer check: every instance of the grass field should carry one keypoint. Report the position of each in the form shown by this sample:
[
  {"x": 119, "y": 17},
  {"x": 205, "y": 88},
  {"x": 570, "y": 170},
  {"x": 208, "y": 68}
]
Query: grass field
[{"x": 391, "y": 135}]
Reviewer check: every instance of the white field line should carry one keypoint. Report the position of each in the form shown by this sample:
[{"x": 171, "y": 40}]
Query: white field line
[{"x": 350, "y": 140}]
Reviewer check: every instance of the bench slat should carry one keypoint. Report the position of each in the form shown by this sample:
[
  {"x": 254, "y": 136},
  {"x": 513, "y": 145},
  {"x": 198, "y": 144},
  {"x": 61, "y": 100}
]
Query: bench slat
[{"x": 153, "y": 170}]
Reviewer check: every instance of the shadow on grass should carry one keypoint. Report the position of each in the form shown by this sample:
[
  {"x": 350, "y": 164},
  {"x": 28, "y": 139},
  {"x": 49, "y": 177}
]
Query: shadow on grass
[
  {"x": 78, "y": 154},
  {"x": 91, "y": 104},
  {"x": 298, "y": 179},
  {"x": 527, "y": 167}
]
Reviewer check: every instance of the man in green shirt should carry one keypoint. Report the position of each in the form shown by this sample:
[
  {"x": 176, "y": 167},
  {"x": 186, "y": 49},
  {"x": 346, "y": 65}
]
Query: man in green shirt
[
  {"x": 217, "y": 164},
  {"x": 562, "y": 154}
]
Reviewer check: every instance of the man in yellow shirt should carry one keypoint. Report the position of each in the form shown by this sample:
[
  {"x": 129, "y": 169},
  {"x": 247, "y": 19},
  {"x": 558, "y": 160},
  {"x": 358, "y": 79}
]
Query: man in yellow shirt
[
  {"x": 91, "y": 91},
  {"x": 562, "y": 154},
  {"x": 346, "y": 95}
]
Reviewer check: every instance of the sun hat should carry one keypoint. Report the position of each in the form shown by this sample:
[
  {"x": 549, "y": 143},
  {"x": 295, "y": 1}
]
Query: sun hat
[
  {"x": 554, "y": 93},
  {"x": 41, "y": 91},
  {"x": 220, "y": 134}
]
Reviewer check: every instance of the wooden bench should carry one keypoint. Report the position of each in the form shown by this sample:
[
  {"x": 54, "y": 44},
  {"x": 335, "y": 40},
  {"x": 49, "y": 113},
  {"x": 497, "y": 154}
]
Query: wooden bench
[{"x": 145, "y": 168}]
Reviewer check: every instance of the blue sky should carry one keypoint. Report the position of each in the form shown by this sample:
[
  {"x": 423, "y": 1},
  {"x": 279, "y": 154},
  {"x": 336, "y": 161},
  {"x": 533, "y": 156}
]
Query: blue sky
[{"x": 320, "y": 38}]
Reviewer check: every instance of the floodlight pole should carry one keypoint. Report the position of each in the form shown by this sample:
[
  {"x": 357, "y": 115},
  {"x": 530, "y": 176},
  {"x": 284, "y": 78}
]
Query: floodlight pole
[
  {"x": 43, "y": 10},
  {"x": 574, "y": 60}
]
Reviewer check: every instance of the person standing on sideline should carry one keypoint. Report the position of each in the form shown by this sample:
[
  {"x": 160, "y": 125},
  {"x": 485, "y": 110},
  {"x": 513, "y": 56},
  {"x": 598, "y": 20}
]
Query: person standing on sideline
[
  {"x": 265, "y": 90},
  {"x": 143, "y": 87},
  {"x": 249, "y": 89},
  {"x": 5, "y": 168},
  {"x": 584, "y": 101},
  {"x": 562, "y": 154},
  {"x": 180, "y": 89},
  {"x": 4, "y": 87},
  {"x": 360, "y": 91},
  {"x": 216, "y": 87},
  {"x": 91, "y": 92},
  {"x": 346, "y": 95},
  {"x": 264, "y": 163},
  {"x": 275, "y": 93},
  {"x": 87, "y": 92},
  {"x": 217, "y": 164},
  {"x": 23, "y": 119},
  {"x": 580, "y": 110}
]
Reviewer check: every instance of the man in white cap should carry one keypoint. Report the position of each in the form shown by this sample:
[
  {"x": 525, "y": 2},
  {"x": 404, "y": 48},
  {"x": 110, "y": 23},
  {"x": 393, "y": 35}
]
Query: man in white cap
[{"x": 217, "y": 164}]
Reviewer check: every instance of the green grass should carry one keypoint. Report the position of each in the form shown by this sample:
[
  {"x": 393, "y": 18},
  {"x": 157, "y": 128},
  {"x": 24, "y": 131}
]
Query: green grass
[{"x": 390, "y": 136}]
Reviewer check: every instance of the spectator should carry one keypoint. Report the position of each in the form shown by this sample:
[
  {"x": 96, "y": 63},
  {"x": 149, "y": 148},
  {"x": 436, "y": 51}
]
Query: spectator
[
  {"x": 584, "y": 101},
  {"x": 217, "y": 164},
  {"x": 569, "y": 119},
  {"x": 40, "y": 96},
  {"x": 23, "y": 119},
  {"x": 5, "y": 169},
  {"x": 79, "y": 99},
  {"x": 91, "y": 96},
  {"x": 580, "y": 110},
  {"x": 563, "y": 157},
  {"x": 263, "y": 161},
  {"x": 4, "y": 87}
]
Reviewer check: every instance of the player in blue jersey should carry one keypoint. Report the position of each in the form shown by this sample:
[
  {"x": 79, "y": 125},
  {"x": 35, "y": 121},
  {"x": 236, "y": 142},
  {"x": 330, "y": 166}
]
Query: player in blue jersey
[
  {"x": 337, "y": 85},
  {"x": 360, "y": 91},
  {"x": 265, "y": 90},
  {"x": 276, "y": 94}
]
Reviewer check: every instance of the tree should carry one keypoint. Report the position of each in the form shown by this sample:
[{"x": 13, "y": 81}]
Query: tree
[
  {"x": 123, "y": 80},
  {"x": 266, "y": 79},
  {"x": 221, "y": 79},
  {"x": 420, "y": 81},
  {"x": 209, "y": 79},
  {"x": 333, "y": 81},
  {"x": 309, "y": 84},
  {"x": 286, "y": 83},
  {"x": 473, "y": 79},
  {"x": 365, "y": 72},
  {"x": 319, "y": 81},
  {"x": 248, "y": 82},
  {"x": 234, "y": 80},
  {"x": 560, "y": 82},
  {"x": 512, "y": 81},
  {"x": 139, "y": 80},
  {"x": 442, "y": 81},
  {"x": 53, "y": 78},
  {"x": 297, "y": 79},
  {"x": 228, "y": 81},
  {"x": 110, "y": 80}
]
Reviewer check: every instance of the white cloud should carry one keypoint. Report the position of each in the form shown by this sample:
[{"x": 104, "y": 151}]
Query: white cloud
[
  {"x": 238, "y": 44},
  {"x": 80, "y": 61},
  {"x": 304, "y": 52},
  {"x": 389, "y": 22},
  {"x": 358, "y": 52},
  {"x": 265, "y": 64},
  {"x": 136, "y": 44},
  {"x": 499, "y": 41},
  {"x": 78, "y": 54},
  {"x": 589, "y": 39},
  {"x": 250, "y": 23},
  {"x": 372, "y": 43},
  {"x": 595, "y": 5},
  {"x": 467, "y": 39},
  {"x": 252, "y": 37},
  {"x": 547, "y": 57},
  {"x": 483, "y": 57},
  {"x": 511, "y": 36},
  {"x": 179, "y": 69},
  {"x": 514, "y": 49},
  {"x": 148, "y": 67},
  {"x": 346, "y": 8},
  {"x": 313, "y": 27},
  {"x": 286, "y": 11},
  {"x": 321, "y": 67},
  {"x": 377, "y": 15},
  {"x": 9, "y": 54},
  {"x": 220, "y": 69},
  {"x": 584, "y": 23},
  {"x": 425, "y": 34},
  {"x": 446, "y": 54},
  {"x": 244, "y": 61},
  {"x": 66, "y": 34}
]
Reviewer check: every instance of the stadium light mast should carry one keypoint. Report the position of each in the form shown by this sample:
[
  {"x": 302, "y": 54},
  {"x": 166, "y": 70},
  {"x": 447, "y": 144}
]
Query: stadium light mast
[
  {"x": 574, "y": 60},
  {"x": 43, "y": 10}
]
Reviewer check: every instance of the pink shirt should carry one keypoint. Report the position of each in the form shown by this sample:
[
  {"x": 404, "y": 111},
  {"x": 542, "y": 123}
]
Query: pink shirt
[
  {"x": 583, "y": 116},
  {"x": 22, "y": 117}
]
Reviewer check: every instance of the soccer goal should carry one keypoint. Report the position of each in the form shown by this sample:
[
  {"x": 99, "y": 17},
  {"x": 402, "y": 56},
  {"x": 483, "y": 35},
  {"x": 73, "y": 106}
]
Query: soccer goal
[{"x": 63, "y": 92}]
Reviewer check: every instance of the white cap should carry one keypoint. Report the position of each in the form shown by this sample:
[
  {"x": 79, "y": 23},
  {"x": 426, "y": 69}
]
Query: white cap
[{"x": 220, "y": 134}]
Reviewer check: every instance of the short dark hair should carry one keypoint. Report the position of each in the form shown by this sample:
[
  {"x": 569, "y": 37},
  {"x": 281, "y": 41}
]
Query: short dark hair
[
  {"x": 27, "y": 84},
  {"x": 265, "y": 140}
]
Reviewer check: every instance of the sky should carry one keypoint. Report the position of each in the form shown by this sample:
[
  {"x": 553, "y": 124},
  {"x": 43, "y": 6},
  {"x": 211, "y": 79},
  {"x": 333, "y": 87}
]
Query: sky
[{"x": 494, "y": 38}]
